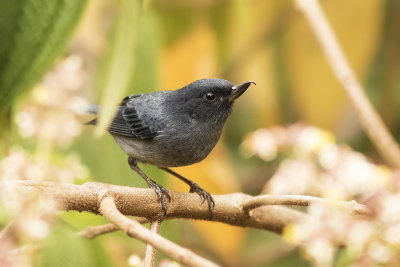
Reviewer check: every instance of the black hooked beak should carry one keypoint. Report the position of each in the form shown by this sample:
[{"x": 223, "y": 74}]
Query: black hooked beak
[{"x": 238, "y": 90}]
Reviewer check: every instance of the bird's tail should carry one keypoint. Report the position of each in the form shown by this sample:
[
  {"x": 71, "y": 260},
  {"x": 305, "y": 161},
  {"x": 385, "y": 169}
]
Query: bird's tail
[
  {"x": 92, "y": 109},
  {"x": 92, "y": 122}
]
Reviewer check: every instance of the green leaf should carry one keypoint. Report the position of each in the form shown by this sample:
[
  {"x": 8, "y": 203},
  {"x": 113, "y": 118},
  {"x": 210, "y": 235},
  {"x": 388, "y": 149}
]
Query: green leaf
[
  {"x": 117, "y": 69},
  {"x": 34, "y": 33},
  {"x": 148, "y": 54}
]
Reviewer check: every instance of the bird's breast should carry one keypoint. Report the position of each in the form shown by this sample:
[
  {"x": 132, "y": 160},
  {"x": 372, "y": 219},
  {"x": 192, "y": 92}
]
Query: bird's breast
[{"x": 174, "y": 146}]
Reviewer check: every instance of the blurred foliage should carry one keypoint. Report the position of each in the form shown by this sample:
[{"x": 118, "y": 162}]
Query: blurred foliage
[
  {"x": 130, "y": 47},
  {"x": 63, "y": 249},
  {"x": 36, "y": 33},
  {"x": 118, "y": 65}
]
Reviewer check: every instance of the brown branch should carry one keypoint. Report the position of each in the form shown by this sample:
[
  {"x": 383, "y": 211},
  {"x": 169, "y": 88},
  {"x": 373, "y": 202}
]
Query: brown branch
[
  {"x": 370, "y": 120},
  {"x": 299, "y": 200},
  {"x": 94, "y": 231},
  {"x": 142, "y": 202},
  {"x": 150, "y": 250},
  {"x": 114, "y": 201},
  {"x": 231, "y": 209},
  {"x": 132, "y": 228}
]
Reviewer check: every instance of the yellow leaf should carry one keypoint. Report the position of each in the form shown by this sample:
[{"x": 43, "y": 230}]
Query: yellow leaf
[
  {"x": 262, "y": 98},
  {"x": 319, "y": 97},
  {"x": 191, "y": 58},
  {"x": 224, "y": 239},
  {"x": 215, "y": 173}
]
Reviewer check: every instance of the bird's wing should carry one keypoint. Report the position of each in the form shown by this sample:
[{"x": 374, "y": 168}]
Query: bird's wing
[{"x": 128, "y": 123}]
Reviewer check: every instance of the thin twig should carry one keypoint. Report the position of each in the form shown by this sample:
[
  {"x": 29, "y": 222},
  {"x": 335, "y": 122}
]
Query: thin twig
[
  {"x": 94, "y": 231},
  {"x": 150, "y": 250},
  {"x": 134, "y": 229},
  {"x": 299, "y": 200},
  {"x": 370, "y": 120}
]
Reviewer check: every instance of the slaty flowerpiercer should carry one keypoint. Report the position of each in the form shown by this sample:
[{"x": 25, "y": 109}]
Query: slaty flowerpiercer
[{"x": 174, "y": 128}]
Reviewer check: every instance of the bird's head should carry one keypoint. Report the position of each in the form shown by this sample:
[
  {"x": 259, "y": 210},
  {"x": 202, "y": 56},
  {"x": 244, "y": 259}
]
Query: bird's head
[{"x": 209, "y": 99}]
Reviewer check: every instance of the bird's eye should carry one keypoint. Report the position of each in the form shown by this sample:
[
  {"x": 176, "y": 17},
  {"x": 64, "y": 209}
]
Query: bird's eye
[{"x": 209, "y": 96}]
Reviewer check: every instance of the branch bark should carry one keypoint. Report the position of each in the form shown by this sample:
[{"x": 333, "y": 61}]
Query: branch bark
[
  {"x": 114, "y": 202},
  {"x": 94, "y": 231},
  {"x": 142, "y": 202},
  {"x": 299, "y": 200},
  {"x": 370, "y": 120},
  {"x": 150, "y": 250}
]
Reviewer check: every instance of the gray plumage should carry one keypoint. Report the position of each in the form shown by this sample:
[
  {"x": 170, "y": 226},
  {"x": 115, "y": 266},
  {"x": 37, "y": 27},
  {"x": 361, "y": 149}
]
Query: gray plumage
[{"x": 173, "y": 128}]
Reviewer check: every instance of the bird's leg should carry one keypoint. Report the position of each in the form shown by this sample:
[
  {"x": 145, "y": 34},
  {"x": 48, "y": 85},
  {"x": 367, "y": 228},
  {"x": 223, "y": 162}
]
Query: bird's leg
[
  {"x": 195, "y": 188},
  {"x": 160, "y": 191}
]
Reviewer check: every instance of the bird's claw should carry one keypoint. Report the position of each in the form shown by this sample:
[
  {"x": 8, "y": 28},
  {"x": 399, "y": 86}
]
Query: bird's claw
[
  {"x": 204, "y": 195},
  {"x": 161, "y": 193}
]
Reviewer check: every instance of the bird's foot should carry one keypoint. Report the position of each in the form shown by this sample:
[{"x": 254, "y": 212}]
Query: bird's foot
[
  {"x": 204, "y": 195},
  {"x": 161, "y": 193}
]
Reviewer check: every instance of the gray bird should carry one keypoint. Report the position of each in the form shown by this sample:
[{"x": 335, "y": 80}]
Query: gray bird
[{"x": 174, "y": 128}]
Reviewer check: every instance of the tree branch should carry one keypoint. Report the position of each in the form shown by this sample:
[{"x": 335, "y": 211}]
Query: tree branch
[
  {"x": 370, "y": 120},
  {"x": 150, "y": 250},
  {"x": 298, "y": 200},
  {"x": 94, "y": 231},
  {"x": 142, "y": 202},
  {"x": 113, "y": 202}
]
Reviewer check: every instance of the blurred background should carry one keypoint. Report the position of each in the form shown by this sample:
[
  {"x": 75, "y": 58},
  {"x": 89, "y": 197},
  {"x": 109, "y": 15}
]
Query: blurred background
[{"x": 101, "y": 50}]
